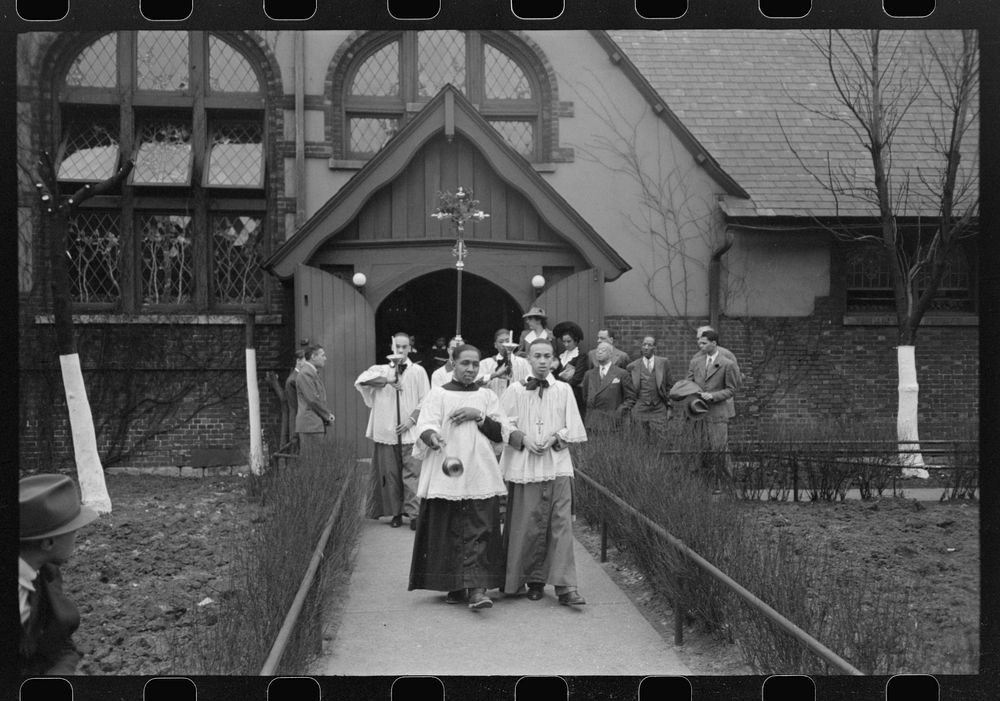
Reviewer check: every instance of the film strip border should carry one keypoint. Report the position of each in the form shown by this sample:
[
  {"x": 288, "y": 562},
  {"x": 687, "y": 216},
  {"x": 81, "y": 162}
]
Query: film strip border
[
  {"x": 299, "y": 11},
  {"x": 906, "y": 687}
]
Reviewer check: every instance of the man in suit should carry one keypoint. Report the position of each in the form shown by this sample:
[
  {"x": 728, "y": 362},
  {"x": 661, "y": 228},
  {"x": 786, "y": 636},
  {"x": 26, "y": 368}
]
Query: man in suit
[
  {"x": 292, "y": 397},
  {"x": 651, "y": 380},
  {"x": 50, "y": 515},
  {"x": 607, "y": 389},
  {"x": 724, "y": 352},
  {"x": 618, "y": 357},
  {"x": 718, "y": 378},
  {"x": 312, "y": 416}
]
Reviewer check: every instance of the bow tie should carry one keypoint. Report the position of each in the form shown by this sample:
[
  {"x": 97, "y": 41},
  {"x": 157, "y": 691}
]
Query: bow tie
[
  {"x": 533, "y": 383},
  {"x": 400, "y": 367}
]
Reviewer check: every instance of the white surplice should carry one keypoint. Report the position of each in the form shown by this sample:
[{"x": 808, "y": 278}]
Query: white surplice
[
  {"x": 480, "y": 478},
  {"x": 554, "y": 413},
  {"x": 382, "y": 419}
]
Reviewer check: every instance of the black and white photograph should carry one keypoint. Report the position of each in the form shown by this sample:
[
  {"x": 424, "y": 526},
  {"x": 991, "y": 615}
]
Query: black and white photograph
[{"x": 626, "y": 354}]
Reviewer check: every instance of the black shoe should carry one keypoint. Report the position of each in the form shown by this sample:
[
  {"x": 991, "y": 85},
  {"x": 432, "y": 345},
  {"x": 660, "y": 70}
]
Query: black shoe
[
  {"x": 413, "y": 523},
  {"x": 535, "y": 591},
  {"x": 572, "y": 598},
  {"x": 455, "y": 597},
  {"x": 396, "y": 521}
]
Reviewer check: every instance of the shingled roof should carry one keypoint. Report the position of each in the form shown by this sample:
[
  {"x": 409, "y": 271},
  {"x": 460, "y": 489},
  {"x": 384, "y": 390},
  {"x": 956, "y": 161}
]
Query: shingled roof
[{"x": 736, "y": 91}]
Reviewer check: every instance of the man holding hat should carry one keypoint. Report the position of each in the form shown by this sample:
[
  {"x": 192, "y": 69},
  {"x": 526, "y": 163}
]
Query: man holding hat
[
  {"x": 719, "y": 378},
  {"x": 51, "y": 513}
]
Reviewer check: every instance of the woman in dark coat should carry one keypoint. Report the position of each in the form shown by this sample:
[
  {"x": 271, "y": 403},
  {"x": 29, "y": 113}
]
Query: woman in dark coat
[{"x": 573, "y": 362}]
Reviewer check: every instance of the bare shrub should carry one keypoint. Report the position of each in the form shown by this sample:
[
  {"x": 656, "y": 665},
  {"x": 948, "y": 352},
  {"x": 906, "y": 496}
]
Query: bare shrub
[{"x": 271, "y": 562}]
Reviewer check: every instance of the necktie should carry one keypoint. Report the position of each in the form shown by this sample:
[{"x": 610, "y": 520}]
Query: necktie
[
  {"x": 604, "y": 371},
  {"x": 708, "y": 362},
  {"x": 400, "y": 368},
  {"x": 534, "y": 383}
]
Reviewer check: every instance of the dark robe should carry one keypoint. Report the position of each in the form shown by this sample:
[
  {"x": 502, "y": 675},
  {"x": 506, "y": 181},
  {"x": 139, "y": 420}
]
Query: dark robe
[
  {"x": 46, "y": 644},
  {"x": 458, "y": 542}
]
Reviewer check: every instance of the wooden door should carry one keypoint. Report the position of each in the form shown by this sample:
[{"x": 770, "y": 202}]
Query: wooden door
[
  {"x": 579, "y": 298},
  {"x": 331, "y": 312}
]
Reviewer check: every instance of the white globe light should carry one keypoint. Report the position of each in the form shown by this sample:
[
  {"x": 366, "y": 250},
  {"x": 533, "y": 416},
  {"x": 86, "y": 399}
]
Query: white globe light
[
  {"x": 538, "y": 282},
  {"x": 359, "y": 279}
]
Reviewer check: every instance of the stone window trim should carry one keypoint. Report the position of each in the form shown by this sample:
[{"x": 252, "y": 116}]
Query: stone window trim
[
  {"x": 528, "y": 55},
  {"x": 56, "y": 54}
]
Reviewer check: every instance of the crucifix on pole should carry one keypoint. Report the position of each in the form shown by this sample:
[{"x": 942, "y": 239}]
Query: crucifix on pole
[{"x": 459, "y": 208}]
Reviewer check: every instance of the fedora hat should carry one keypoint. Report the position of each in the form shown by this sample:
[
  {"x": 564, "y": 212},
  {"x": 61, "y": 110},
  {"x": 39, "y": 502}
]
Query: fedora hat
[
  {"x": 535, "y": 311},
  {"x": 50, "y": 507},
  {"x": 696, "y": 407}
]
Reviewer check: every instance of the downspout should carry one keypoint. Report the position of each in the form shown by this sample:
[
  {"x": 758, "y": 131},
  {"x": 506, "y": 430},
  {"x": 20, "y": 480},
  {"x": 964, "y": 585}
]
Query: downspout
[
  {"x": 714, "y": 279},
  {"x": 300, "y": 127}
]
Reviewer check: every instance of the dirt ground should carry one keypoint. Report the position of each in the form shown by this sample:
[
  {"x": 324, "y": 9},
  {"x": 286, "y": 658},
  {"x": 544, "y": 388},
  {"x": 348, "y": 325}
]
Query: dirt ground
[{"x": 143, "y": 574}]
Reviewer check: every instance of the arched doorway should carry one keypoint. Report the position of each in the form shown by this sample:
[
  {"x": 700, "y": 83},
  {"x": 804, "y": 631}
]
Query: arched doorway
[{"x": 425, "y": 307}]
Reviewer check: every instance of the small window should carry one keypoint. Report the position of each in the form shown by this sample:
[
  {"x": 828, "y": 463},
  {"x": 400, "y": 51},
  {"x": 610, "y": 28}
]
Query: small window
[
  {"x": 379, "y": 74},
  {"x": 440, "y": 60}
]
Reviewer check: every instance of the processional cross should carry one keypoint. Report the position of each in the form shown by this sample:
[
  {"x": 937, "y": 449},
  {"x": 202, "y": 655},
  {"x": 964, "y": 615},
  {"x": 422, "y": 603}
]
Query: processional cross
[{"x": 459, "y": 208}]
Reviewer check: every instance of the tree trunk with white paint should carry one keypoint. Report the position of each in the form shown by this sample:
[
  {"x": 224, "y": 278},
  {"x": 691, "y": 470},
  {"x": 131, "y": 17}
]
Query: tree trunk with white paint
[
  {"x": 253, "y": 400},
  {"x": 907, "y": 435},
  {"x": 90, "y": 472}
]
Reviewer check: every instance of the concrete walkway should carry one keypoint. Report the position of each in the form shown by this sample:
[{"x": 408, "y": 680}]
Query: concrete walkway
[{"x": 387, "y": 630}]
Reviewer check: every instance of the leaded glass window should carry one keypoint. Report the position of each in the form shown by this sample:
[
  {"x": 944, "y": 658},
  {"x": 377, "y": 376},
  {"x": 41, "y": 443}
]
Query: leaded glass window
[
  {"x": 379, "y": 74},
  {"x": 869, "y": 286},
  {"x": 505, "y": 80},
  {"x": 238, "y": 277},
  {"x": 96, "y": 66},
  {"x": 167, "y": 265},
  {"x": 236, "y": 155},
  {"x": 519, "y": 134},
  {"x": 229, "y": 70},
  {"x": 89, "y": 150},
  {"x": 157, "y": 243},
  {"x": 369, "y": 134},
  {"x": 164, "y": 154},
  {"x": 395, "y": 72},
  {"x": 162, "y": 61},
  {"x": 440, "y": 60},
  {"x": 94, "y": 248}
]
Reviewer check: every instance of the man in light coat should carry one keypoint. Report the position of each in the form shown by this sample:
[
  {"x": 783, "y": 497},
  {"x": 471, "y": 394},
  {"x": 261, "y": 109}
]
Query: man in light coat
[
  {"x": 312, "y": 416},
  {"x": 718, "y": 377}
]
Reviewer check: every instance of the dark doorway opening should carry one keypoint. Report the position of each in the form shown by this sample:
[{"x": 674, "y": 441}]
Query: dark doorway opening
[{"x": 425, "y": 308}]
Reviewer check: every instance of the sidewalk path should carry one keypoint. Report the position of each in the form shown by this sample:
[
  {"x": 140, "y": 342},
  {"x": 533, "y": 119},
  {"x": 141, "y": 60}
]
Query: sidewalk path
[{"x": 387, "y": 630}]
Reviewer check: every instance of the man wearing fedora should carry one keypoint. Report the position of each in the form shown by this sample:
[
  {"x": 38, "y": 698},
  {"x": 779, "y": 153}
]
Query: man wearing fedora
[
  {"x": 719, "y": 378},
  {"x": 50, "y": 515}
]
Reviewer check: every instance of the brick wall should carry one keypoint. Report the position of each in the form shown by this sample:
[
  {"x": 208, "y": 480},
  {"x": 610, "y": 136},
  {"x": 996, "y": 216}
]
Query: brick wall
[
  {"x": 813, "y": 370},
  {"x": 185, "y": 382}
]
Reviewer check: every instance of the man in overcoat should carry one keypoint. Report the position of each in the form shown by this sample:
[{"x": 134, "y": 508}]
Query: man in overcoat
[{"x": 608, "y": 392}]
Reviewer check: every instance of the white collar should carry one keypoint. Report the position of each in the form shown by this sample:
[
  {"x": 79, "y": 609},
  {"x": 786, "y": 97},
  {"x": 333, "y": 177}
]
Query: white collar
[{"x": 566, "y": 356}]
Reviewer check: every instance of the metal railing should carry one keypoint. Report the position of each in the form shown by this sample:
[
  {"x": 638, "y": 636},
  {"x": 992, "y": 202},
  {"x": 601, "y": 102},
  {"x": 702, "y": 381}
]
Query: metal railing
[
  {"x": 291, "y": 618},
  {"x": 752, "y": 600}
]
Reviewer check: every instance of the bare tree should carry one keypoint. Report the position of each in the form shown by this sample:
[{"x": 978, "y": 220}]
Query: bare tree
[
  {"x": 58, "y": 211},
  {"x": 925, "y": 206}
]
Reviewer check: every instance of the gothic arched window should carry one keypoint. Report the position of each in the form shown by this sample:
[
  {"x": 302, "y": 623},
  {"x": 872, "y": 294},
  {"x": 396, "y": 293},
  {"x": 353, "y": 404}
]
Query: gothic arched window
[
  {"x": 387, "y": 78},
  {"x": 186, "y": 231}
]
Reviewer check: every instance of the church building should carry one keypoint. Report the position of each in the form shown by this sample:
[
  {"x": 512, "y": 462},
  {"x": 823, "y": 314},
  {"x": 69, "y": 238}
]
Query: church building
[{"x": 646, "y": 182}]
